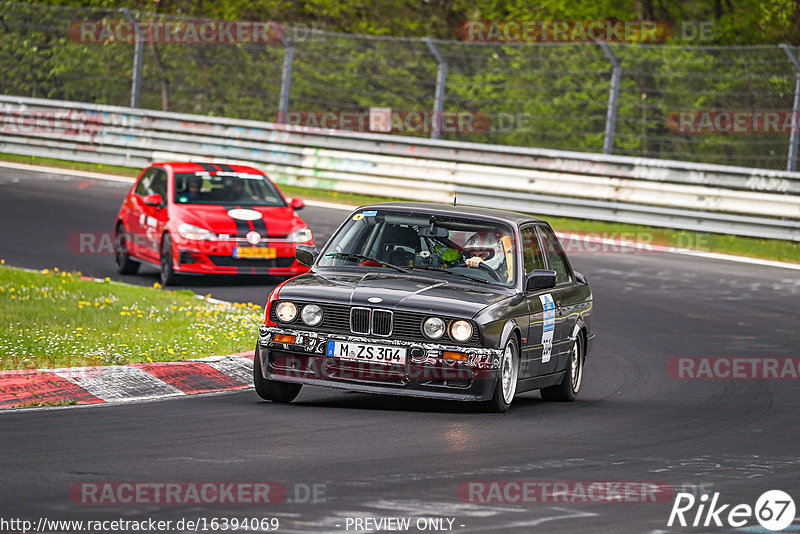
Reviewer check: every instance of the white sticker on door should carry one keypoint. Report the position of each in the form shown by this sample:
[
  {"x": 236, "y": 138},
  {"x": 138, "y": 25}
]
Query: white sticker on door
[{"x": 548, "y": 325}]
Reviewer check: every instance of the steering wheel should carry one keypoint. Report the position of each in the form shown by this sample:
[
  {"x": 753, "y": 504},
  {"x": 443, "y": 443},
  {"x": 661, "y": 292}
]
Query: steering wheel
[{"x": 489, "y": 270}]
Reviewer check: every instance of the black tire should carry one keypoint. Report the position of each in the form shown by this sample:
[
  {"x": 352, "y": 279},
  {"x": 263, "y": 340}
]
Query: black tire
[
  {"x": 280, "y": 392},
  {"x": 125, "y": 265},
  {"x": 502, "y": 398},
  {"x": 166, "y": 267},
  {"x": 570, "y": 386}
]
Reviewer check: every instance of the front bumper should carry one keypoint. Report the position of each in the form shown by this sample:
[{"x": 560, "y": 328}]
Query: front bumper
[
  {"x": 425, "y": 373},
  {"x": 216, "y": 257}
]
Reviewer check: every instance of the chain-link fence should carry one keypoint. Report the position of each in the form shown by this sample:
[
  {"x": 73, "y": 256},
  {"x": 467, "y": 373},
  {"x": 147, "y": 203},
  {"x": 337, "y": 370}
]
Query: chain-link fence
[{"x": 728, "y": 105}]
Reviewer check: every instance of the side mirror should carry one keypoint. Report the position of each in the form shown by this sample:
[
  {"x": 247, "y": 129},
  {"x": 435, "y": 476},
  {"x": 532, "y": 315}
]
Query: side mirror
[
  {"x": 541, "y": 279},
  {"x": 297, "y": 204},
  {"x": 152, "y": 200},
  {"x": 306, "y": 254}
]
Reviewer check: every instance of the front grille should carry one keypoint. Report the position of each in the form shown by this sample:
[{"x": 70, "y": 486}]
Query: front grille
[
  {"x": 405, "y": 326},
  {"x": 359, "y": 320},
  {"x": 382, "y": 323},
  {"x": 229, "y": 261}
]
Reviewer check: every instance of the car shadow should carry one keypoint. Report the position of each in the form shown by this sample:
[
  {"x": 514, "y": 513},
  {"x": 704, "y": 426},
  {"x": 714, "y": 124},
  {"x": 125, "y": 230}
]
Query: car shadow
[{"x": 364, "y": 401}]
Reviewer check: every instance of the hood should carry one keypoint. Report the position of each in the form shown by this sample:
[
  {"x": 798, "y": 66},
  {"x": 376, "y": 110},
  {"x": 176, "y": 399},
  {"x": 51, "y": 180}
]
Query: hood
[
  {"x": 279, "y": 220},
  {"x": 399, "y": 292}
]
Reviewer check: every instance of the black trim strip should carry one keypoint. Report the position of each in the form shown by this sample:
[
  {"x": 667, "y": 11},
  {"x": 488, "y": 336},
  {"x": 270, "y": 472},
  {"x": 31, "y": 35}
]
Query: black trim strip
[
  {"x": 242, "y": 227},
  {"x": 208, "y": 167},
  {"x": 261, "y": 227},
  {"x": 224, "y": 167}
]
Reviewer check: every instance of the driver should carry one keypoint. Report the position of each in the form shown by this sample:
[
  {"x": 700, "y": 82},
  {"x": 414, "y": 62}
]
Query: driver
[
  {"x": 193, "y": 187},
  {"x": 235, "y": 189},
  {"x": 487, "y": 247}
]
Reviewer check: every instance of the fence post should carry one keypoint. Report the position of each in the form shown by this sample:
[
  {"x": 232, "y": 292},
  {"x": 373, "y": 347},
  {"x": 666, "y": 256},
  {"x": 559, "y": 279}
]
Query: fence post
[
  {"x": 286, "y": 79},
  {"x": 794, "y": 139},
  {"x": 138, "y": 50},
  {"x": 613, "y": 98},
  {"x": 441, "y": 81}
]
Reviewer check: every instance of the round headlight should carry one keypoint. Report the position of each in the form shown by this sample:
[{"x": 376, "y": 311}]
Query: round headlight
[
  {"x": 460, "y": 330},
  {"x": 286, "y": 311},
  {"x": 433, "y": 327},
  {"x": 311, "y": 314}
]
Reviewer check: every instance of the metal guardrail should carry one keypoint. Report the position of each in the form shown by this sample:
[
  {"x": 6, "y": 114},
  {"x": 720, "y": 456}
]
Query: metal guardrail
[{"x": 691, "y": 196}]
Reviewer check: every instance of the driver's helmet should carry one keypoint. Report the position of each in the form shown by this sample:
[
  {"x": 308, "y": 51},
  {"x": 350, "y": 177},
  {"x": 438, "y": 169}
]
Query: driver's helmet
[
  {"x": 194, "y": 180},
  {"x": 234, "y": 183},
  {"x": 486, "y": 244}
]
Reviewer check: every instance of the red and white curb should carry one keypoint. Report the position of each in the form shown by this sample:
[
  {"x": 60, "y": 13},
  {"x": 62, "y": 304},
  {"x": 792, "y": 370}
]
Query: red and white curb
[{"x": 124, "y": 383}]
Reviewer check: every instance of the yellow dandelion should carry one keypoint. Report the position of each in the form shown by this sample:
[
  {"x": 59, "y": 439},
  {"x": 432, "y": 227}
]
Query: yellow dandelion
[
  {"x": 55, "y": 269},
  {"x": 156, "y": 285}
]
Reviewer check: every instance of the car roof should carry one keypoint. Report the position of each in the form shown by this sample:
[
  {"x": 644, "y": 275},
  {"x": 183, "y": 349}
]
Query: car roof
[
  {"x": 190, "y": 166},
  {"x": 428, "y": 207}
]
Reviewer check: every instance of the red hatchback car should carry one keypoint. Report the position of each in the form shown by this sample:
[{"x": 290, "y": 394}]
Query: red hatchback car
[{"x": 201, "y": 218}]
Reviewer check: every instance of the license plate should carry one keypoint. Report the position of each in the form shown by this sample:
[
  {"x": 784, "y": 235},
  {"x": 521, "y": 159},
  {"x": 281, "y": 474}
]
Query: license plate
[
  {"x": 364, "y": 352},
  {"x": 254, "y": 252}
]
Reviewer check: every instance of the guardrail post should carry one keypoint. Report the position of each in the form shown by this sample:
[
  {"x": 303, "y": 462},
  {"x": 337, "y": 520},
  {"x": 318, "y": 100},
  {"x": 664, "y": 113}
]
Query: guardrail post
[
  {"x": 138, "y": 50},
  {"x": 794, "y": 139},
  {"x": 286, "y": 79},
  {"x": 441, "y": 81},
  {"x": 613, "y": 98}
]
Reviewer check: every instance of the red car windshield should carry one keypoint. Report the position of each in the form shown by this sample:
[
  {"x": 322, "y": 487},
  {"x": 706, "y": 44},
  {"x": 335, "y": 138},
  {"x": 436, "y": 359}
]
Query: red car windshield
[{"x": 226, "y": 188}]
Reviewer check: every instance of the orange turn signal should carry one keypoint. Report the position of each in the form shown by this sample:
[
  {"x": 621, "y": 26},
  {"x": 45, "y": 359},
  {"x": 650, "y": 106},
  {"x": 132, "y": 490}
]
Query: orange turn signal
[
  {"x": 460, "y": 356},
  {"x": 283, "y": 338}
]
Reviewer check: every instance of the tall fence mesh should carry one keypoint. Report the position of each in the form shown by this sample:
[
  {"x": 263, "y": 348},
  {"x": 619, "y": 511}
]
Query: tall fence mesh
[{"x": 674, "y": 102}]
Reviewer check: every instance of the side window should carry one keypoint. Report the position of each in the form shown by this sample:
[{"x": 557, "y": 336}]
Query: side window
[
  {"x": 144, "y": 186},
  {"x": 531, "y": 250},
  {"x": 159, "y": 183},
  {"x": 556, "y": 259}
]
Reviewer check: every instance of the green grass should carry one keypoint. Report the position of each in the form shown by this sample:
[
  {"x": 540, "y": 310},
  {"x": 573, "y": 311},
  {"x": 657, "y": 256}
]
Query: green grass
[
  {"x": 55, "y": 319},
  {"x": 37, "y": 403},
  {"x": 771, "y": 249}
]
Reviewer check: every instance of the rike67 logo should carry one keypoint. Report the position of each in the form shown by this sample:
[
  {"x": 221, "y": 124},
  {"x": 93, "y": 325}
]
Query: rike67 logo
[{"x": 774, "y": 510}]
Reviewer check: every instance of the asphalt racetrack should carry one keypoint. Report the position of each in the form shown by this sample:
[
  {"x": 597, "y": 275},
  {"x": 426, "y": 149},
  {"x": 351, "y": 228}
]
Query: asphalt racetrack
[{"x": 374, "y": 457}]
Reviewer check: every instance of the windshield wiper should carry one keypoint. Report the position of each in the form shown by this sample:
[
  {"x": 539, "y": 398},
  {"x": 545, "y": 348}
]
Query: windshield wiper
[
  {"x": 365, "y": 258},
  {"x": 462, "y": 275}
]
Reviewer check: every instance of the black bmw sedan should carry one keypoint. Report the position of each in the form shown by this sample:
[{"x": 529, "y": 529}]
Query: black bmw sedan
[{"x": 428, "y": 300}]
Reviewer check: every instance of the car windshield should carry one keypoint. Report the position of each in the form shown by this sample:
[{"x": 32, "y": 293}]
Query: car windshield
[
  {"x": 227, "y": 188},
  {"x": 449, "y": 246}
]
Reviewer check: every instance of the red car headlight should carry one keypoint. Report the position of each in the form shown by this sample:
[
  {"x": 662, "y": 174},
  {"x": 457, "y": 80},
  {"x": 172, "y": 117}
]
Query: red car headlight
[{"x": 301, "y": 235}]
